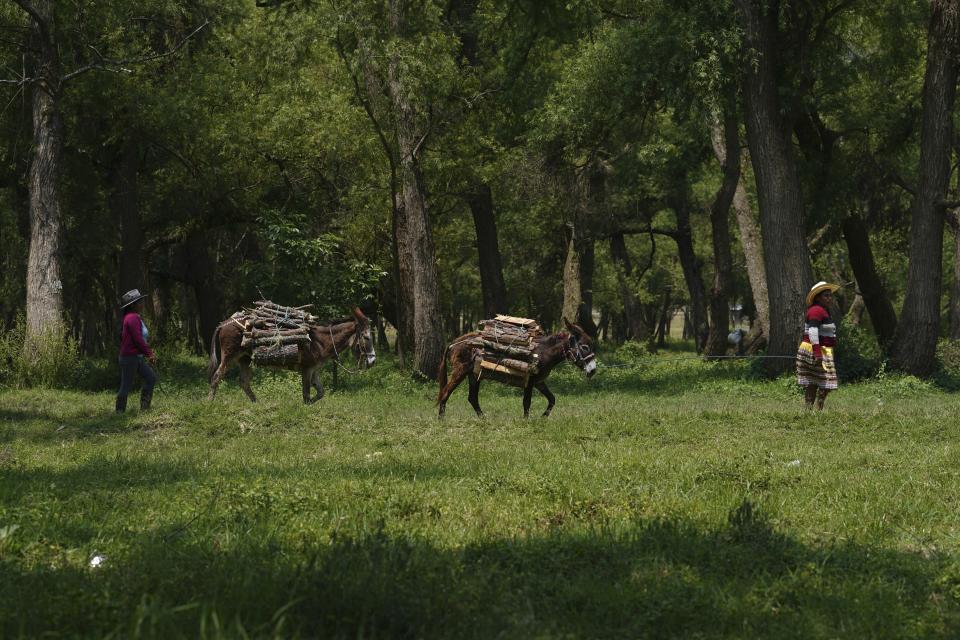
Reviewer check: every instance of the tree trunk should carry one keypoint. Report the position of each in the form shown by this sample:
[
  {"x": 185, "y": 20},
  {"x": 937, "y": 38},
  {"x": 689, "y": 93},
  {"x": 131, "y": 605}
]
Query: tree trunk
[
  {"x": 124, "y": 203},
  {"x": 201, "y": 273},
  {"x": 492, "y": 285},
  {"x": 635, "y": 328},
  {"x": 417, "y": 257},
  {"x": 915, "y": 344},
  {"x": 663, "y": 325},
  {"x": 869, "y": 285},
  {"x": 587, "y": 254},
  {"x": 44, "y": 286},
  {"x": 723, "y": 135},
  {"x": 571, "y": 279},
  {"x": 769, "y": 137},
  {"x": 955, "y": 285},
  {"x": 680, "y": 203},
  {"x": 854, "y": 315}
]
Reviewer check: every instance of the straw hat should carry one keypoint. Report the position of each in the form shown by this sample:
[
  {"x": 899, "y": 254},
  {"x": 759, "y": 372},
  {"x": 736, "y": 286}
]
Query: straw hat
[
  {"x": 130, "y": 297},
  {"x": 819, "y": 288}
]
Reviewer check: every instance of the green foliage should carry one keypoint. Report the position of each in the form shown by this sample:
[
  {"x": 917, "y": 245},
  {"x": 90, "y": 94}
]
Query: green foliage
[
  {"x": 858, "y": 356},
  {"x": 948, "y": 359},
  {"x": 49, "y": 360}
]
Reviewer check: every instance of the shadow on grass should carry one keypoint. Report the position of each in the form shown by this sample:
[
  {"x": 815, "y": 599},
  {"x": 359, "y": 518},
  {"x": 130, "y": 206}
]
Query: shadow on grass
[
  {"x": 654, "y": 579},
  {"x": 105, "y": 472},
  {"x": 40, "y": 425}
]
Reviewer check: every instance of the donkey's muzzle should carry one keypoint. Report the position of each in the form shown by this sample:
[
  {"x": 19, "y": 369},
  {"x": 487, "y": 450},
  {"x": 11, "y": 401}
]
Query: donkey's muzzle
[{"x": 590, "y": 368}]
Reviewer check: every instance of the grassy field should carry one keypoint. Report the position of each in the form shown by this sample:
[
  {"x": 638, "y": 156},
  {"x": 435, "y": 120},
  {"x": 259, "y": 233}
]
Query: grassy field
[{"x": 668, "y": 499}]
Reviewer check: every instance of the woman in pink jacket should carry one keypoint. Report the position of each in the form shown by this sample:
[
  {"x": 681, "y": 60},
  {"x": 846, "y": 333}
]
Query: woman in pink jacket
[{"x": 134, "y": 352}]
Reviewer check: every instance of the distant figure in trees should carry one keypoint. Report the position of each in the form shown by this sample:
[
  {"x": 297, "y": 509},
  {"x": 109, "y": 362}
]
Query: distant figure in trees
[
  {"x": 816, "y": 370},
  {"x": 135, "y": 352}
]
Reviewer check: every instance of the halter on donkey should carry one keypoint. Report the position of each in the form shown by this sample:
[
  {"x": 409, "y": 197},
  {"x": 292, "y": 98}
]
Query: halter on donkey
[
  {"x": 573, "y": 345},
  {"x": 326, "y": 342}
]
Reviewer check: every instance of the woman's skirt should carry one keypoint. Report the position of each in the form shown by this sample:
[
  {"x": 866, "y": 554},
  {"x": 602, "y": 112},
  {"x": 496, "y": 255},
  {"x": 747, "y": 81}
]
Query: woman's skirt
[{"x": 810, "y": 371}]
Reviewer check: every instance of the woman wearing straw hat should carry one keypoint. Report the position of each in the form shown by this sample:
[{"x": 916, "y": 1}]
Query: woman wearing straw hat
[
  {"x": 134, "y": 352},
  {"x": 816, "y": 371}
]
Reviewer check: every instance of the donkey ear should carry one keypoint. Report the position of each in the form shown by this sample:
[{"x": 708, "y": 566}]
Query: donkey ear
[
  {"x": 359, "y": 314},
  {"x": 569, "y": 326}
]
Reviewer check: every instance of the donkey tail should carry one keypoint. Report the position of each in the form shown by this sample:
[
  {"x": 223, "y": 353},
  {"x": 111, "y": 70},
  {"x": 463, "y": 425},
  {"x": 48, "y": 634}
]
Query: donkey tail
[
  {"x": 214, "y": 361},
  {"x": 442, "y": 372}
]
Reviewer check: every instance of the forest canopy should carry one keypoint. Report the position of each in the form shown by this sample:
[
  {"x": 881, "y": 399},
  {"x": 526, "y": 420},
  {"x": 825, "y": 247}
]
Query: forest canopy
[{"x": 612, "y": 162}]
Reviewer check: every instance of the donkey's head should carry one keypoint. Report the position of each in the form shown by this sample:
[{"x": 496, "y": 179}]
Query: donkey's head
[
  {"x": 362, "y": 346},
  {"x": 579, "y": 349}
]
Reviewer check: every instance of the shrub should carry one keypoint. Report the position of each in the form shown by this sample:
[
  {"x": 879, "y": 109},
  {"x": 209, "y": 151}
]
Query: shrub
[
  {"x": 50, "y": 359},
  {"x": 630, "y": 351},
  {"x": 948, "y": 364},
  {"x": 858, "y": 355}
]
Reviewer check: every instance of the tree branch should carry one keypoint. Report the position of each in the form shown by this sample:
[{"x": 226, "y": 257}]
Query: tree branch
[
  {"x": 38, "y": 19},
  {"x": 116, "y": 66},
  {"x": 670, "y": 233}
]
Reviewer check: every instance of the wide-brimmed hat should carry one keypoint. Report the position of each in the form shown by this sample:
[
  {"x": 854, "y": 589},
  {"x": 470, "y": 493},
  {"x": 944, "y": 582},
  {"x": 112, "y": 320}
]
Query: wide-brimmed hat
[
  {"x": 130, "y": 297},
  {"x": 819, "y": 288}
]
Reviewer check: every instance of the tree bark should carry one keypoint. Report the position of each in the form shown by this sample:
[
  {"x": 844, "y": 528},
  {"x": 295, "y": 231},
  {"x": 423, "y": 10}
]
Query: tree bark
[
  {"x": 789, "y": 274},
  {"x": 44, "y": 286},
  {"x": 723, "y": 134},
  {"x": 492, "y": 285},
  {"x": 955, "y": 289},
  {"x": 571, "y": 279},
  {"x": 201, "y": 273},
  {"x": 587, "y": 254},
  {"x": 635, "y": 326},
  {"x": 417, "y": 257},
  {"x": 680, "y": 203},
  {"x": 869, "y": 285},
  {"x": 124, "y": 203},
  {"x": 915, "y": 344}
]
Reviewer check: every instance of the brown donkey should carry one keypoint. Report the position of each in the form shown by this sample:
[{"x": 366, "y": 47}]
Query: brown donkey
[
  {"x": 573, "y": 345},
  {"x": 329, "y": 342}
]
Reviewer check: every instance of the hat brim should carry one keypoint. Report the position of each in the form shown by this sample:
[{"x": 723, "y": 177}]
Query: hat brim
[
  {"x": 818, "y": 290},
  {"x": 134, "y": 301}
]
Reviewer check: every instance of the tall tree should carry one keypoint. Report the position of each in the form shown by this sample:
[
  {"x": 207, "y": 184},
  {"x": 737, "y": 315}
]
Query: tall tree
[
  {"x": 44, "y": 286},
  {"x": 789, "y": 274},
  {"x": 416, "y": 252},
  {"x": 723, "y": 134},
  {"x": 915, "y": 343}
]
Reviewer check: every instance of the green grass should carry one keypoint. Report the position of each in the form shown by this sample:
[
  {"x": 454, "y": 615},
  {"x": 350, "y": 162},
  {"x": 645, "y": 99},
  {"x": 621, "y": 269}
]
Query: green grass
[{"x": 669, "y": 499}]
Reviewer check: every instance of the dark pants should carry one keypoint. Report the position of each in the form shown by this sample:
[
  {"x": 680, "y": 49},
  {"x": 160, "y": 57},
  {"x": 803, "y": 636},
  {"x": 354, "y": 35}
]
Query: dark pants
[{"x": 130, "y": 365}]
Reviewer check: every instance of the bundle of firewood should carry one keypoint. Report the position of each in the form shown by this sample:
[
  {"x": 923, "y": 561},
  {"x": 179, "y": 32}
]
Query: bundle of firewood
[
  {"x": 275, "y": 332},
  {"x": 504, "y": 347}
]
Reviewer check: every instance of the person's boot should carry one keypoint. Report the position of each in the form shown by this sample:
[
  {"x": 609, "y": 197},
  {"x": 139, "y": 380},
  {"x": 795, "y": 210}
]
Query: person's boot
[
  {"x": 121, "y": 404},
  {"x": 145, "y": 398}
]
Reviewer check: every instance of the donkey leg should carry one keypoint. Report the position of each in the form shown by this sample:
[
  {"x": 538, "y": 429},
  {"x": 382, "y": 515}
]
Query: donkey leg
[
  {"x": 246, "y": 375},
  {"x": 317, "y": 383},
  {"x": 459, "y": 373},
  {"x": 474, "y": 396},
  {"x": 306, "y": 378},
  {"x": 551, "y": 399},
  {"x": 218, "y": 376},
  {"x": 527, "y": 397}
]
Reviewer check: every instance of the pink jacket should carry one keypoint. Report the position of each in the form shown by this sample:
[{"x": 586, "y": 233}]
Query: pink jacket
[{"x": 131, "y": 337}]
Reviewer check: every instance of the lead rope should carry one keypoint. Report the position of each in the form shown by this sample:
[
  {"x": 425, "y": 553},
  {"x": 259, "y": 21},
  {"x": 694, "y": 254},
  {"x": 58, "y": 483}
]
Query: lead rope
[{"x": 336, "y": 356}]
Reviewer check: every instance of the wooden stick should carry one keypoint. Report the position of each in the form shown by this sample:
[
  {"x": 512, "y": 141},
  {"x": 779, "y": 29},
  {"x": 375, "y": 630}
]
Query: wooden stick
[
  {"x": 269, "y": 342},
  {"x": 512, "y": 351},
  {"x": 266, "y": 333}
]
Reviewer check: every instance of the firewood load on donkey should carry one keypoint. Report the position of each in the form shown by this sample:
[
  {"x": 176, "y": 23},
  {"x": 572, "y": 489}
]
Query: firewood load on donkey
[
  {"x": 513, "y": 351},
  {"x": 272, "y": 335}
]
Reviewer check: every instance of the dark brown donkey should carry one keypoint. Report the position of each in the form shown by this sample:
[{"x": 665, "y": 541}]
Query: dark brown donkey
[
  {"x": 329, "y": 342},
  {"x": 573, "y": 345}
]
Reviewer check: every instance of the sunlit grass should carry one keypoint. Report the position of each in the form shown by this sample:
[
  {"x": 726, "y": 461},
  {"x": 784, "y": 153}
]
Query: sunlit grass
[{"x": 668, "y": 498}]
